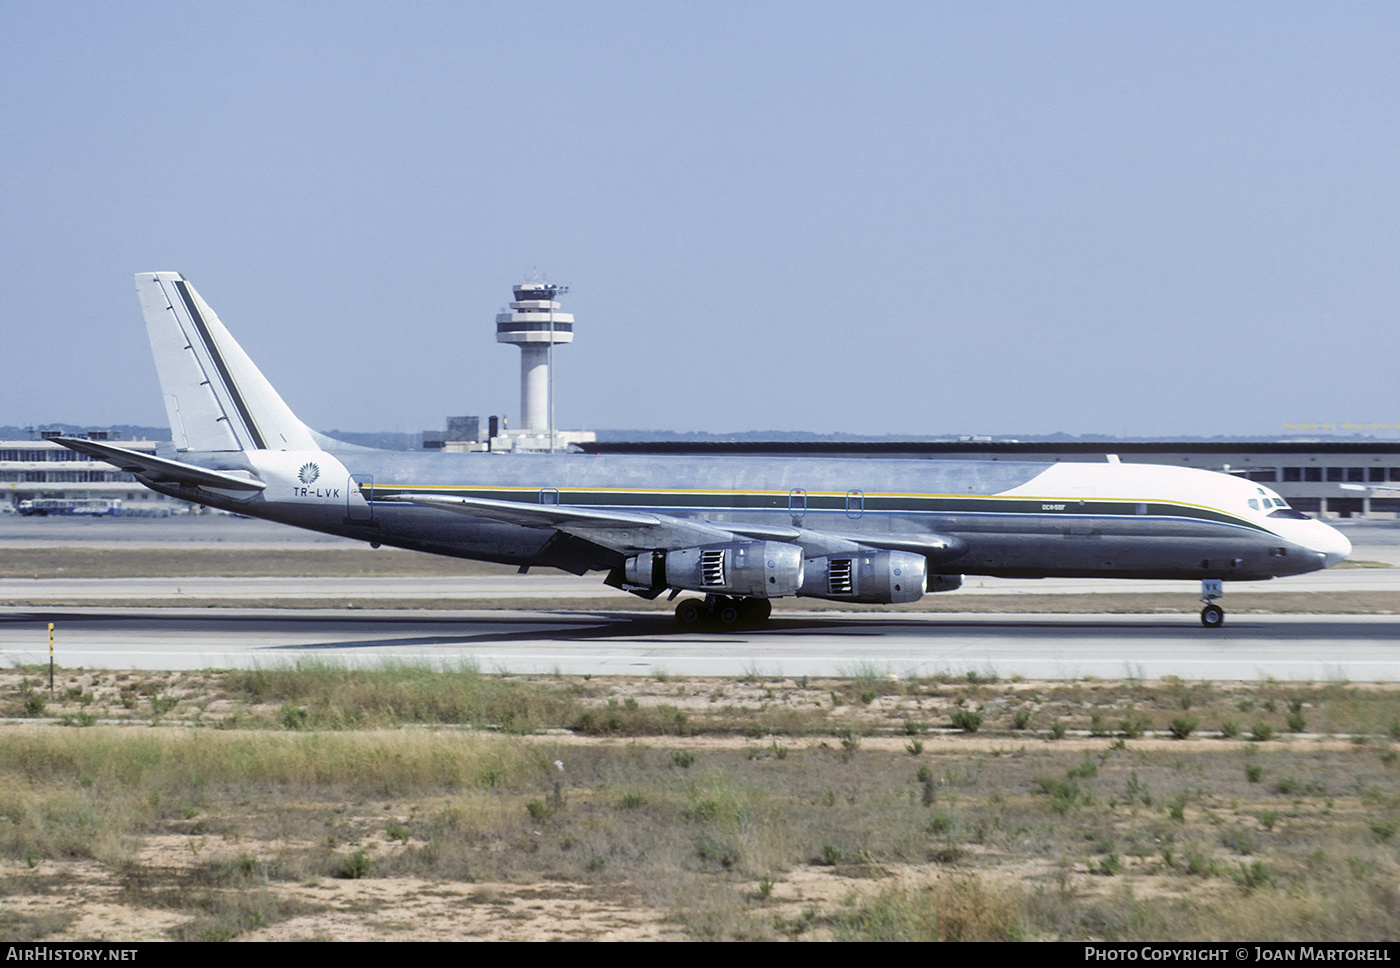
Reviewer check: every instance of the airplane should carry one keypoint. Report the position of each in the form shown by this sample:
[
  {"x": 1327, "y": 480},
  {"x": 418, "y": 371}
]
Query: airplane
[{"x": 739, "y": 531}]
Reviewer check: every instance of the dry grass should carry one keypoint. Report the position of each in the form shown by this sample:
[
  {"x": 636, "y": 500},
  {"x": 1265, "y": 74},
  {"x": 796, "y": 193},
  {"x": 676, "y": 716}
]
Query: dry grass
[{"x": 869, "y": 819}]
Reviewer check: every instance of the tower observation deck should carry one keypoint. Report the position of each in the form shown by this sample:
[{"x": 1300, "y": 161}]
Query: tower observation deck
[{"x": 536, "y": 325}]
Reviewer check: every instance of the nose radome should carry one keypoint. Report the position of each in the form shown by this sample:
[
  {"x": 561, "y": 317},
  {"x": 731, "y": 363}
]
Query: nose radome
[{"x": 1334, "y": 545}]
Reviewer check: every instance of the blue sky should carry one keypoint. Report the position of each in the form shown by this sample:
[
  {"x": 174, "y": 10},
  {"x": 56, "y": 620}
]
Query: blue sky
[{"x": 892, "y": 218}]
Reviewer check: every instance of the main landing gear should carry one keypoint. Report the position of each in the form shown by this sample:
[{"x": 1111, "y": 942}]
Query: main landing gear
[
  {"x": 692, "y": 612},
  {"x": 1213, "y": 615}
]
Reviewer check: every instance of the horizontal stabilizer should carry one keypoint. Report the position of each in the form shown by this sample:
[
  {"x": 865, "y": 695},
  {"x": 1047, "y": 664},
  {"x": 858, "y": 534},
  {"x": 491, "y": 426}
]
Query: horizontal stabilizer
[{"x": 159, "y": 470}]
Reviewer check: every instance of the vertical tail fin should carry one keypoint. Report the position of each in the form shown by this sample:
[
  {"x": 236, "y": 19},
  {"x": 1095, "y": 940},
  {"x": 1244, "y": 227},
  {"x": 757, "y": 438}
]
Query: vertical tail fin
[{"x": 215, "y": 396}]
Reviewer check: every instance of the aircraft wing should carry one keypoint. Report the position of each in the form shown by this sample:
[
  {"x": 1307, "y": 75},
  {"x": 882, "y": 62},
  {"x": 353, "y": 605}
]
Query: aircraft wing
[
  {"x": 159, "y": 470},
  {"x": 623, "y": 531},
  {"x": 1369, "y": 487},
  {"x": 634, "y": 531}
]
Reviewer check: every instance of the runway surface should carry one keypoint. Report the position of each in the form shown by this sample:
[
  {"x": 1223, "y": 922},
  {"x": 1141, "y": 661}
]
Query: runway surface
[
  {"x": 1319, "y": 648},
  {"x": 1314, "y": 647}
]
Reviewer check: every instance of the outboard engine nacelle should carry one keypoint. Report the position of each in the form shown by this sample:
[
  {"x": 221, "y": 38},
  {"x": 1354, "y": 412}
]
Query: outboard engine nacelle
[
  {"x": 750, "y": 569},
  {"x": 875, "y": 577}
]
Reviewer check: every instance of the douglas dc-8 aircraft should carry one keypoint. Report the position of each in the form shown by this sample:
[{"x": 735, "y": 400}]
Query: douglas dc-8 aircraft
[{"x": 740, "y": 531}]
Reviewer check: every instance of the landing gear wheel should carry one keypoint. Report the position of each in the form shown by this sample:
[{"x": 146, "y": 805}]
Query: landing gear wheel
[
  {"x": 691, "y": 612},
  {"x": 755, "y": 610},
  {"x": 1212, "y": 616},
  {"x": 728, "y": 613}
]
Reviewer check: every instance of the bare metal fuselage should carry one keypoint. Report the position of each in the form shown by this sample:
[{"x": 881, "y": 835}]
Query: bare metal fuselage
[{"x": 1108, "y": 533}]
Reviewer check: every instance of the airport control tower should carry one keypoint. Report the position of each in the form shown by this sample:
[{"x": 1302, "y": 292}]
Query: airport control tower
[{"x": 535, "y": 325}]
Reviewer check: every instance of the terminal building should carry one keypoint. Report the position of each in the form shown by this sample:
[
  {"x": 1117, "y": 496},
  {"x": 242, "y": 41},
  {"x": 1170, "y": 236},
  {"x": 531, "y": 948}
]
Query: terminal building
[{"x": 40, "y": 477}]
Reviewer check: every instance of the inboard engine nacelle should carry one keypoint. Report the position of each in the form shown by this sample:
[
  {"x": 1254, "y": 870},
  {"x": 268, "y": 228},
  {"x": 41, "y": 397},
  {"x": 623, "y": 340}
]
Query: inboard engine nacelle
[
  {"x": 876, "y": 577},
  {"x": 753, "y": 569}
]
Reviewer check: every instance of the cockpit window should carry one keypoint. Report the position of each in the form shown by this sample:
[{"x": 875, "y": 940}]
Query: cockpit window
[
  {"x": 1287, "y": 512},
  {"x": 1254, "y": 503}
]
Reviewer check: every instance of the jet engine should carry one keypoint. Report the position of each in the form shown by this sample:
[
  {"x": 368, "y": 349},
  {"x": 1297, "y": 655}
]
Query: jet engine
[
  {"x": 876, "y": 577},
  {"x": 750, "y": 569}
]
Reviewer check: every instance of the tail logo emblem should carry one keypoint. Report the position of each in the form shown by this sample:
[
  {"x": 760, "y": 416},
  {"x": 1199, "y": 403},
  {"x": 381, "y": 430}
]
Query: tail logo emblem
[{"x": 308, "y": 473}]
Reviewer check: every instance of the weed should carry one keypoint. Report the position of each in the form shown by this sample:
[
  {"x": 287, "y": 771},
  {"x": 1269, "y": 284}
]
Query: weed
[
  {"x": 966, "y": 720},
  {"x": 915, "y": 747},
  {"x": 1229, "y": 729},
  {"x": 1199, "y": 865},
  {"x": 1021, "y": 719},
  {"x": 1254, "y": 875},
  {"x": 356, "y": 866},
  {"x": 1267, "y": 818},
  {"x": 1057, "y": 730},
  {"x": 1111, "y": 866},
  {"x": 1253, "y": 772},
  {"x": 1239, "y": 840},
  {"x": 1064, "y": 795},
  {"x": 1084, "y": 770},
  {"x": 1182, "y": 726},
  {"x": 1384, "y": 828},
  {"x": 685, "y": 759},
  {"x": 961, "y": 909},
  {"x": 294, "y": 717},
  {"x": 941, "y": 823}
]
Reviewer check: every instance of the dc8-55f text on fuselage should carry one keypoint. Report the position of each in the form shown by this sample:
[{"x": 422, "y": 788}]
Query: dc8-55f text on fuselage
[{"x": 739, "y": 531}]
